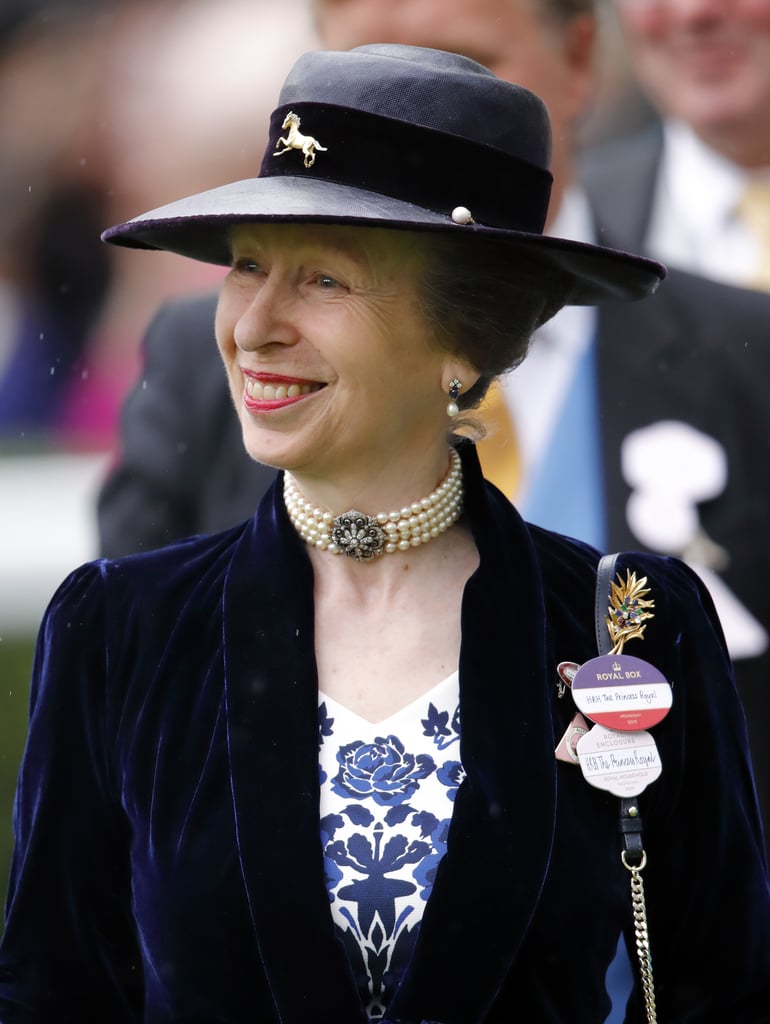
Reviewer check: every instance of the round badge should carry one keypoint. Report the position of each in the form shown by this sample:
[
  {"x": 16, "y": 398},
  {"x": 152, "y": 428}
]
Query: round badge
[
  {"x": 623, "y": 763},
  {"x": 621, "y": 692}
]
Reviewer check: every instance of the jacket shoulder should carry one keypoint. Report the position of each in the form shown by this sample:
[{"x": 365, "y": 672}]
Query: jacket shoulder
[
  {"x": 561, "y": 557},
  {"x": 569, "y": 573},
  {"x": 177, "y": 565}
]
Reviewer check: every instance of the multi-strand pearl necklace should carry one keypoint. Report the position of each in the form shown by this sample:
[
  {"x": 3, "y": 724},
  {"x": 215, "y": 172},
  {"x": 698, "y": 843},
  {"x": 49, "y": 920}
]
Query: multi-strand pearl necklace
[{"x": 364, "y": 537}]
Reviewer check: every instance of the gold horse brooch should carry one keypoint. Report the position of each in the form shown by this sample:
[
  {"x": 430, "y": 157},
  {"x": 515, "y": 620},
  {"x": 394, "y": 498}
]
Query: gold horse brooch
[{"x": 294, "y": 139}]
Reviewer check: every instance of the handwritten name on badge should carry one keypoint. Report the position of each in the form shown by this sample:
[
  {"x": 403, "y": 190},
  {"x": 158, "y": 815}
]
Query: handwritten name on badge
[
  {"x": 623, "y": 763},
  {"x": 621, "y": 692}
]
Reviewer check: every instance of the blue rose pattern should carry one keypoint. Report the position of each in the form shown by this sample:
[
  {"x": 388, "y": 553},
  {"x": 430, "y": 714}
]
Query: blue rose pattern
[
  {"x": 382, "y": 846},
  {"x": 381, "y": 770}
]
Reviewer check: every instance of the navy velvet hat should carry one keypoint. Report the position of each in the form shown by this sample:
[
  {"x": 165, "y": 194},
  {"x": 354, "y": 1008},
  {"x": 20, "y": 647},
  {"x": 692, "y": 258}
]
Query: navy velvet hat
[{"x": 400, "y": 137}]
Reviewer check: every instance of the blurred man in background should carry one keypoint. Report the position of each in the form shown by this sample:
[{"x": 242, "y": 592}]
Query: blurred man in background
[{"x": 695, "y": 190}]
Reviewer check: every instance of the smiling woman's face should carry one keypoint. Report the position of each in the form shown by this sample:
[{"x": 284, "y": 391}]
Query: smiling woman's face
[{"x": 330, "y": 359}]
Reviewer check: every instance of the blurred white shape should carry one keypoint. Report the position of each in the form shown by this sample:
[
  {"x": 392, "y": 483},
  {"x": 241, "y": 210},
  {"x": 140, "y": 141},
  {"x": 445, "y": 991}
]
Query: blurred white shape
[
  {"x": 661, "y": 521},
  {"x": 47, "y": 528},
  {"x": 671, "y": 467}
]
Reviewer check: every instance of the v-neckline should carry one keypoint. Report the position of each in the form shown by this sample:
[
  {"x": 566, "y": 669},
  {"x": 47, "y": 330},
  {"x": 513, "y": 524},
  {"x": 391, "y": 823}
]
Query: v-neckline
[{"x": 450, "y": 681}]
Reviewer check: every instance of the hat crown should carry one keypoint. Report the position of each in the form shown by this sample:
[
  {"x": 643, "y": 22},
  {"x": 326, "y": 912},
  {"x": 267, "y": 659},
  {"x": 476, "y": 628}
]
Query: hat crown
[{"x": 432, "y": 89}]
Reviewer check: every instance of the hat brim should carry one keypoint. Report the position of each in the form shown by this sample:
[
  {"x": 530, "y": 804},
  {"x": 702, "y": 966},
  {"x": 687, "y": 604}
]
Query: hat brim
[{"x": 200, "y": 227}]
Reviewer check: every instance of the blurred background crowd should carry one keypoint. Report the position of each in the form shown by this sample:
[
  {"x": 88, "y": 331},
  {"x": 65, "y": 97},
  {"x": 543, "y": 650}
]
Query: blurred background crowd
[{"x": 109, "y": 108}]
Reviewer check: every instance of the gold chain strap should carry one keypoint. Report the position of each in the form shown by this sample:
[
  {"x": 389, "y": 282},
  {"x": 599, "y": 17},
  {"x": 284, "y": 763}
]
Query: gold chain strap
[{"x": 642, "y": 934}]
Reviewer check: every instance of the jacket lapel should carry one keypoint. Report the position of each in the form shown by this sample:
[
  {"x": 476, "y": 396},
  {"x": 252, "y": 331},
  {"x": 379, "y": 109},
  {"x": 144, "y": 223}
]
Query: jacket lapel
[
  {"x": 613, "y": 172},
  {"x": 272, "y": 733},
  {"x": 498, "y": 849}
]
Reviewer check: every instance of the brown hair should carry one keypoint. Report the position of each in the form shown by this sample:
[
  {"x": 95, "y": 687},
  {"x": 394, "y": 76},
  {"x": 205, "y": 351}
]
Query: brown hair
[{"x": 484, "y": 300}]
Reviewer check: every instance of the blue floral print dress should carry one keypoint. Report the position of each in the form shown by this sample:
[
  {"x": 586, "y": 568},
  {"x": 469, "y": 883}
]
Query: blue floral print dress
[{"x": 387, "y": 793}]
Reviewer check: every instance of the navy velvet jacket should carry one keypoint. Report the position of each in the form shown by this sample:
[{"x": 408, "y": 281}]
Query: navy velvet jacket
[{"x": 168, "y": 865}]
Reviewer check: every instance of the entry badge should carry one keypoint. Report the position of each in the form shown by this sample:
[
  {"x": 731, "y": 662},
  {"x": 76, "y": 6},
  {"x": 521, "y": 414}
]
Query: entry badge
[
  {"x": 623, "y": 763},
  {"x": 621, "y": 692}
]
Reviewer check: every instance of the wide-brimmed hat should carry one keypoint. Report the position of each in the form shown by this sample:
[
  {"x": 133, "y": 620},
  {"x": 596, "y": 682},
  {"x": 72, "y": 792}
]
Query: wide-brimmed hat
[{"x": 400, "y": 137}]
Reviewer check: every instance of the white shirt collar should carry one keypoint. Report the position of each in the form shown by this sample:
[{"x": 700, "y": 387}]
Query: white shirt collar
[
  {"x": 702, "y": 184},
  {"x": 693, "y": 221}
]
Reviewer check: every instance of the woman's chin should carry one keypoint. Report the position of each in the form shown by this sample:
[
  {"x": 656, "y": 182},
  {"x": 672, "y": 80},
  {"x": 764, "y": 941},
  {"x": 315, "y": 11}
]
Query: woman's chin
[
  {"x": 271, "y": 448},
  {"x": 267, "y": 456}
]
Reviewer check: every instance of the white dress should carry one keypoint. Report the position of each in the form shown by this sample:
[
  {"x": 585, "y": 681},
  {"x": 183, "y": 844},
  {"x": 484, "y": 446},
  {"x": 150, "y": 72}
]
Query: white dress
[{"x": 387, "y": 794}]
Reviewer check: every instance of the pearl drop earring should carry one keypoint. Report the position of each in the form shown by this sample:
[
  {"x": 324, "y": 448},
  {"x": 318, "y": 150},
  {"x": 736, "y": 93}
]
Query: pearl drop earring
[{"x": 452, "y": 409}]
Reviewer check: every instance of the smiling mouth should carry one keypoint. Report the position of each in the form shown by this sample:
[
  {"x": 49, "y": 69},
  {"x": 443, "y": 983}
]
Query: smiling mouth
[{"x": 276, "y": 390}]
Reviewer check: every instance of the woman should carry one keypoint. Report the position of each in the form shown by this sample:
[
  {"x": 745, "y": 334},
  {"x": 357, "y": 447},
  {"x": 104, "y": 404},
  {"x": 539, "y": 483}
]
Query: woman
[{"x": 386, "y": 620}]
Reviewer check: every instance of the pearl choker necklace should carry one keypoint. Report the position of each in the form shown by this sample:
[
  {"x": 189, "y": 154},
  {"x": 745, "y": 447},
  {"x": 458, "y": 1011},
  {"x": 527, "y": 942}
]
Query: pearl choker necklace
[{"x": 365, "y": 537}]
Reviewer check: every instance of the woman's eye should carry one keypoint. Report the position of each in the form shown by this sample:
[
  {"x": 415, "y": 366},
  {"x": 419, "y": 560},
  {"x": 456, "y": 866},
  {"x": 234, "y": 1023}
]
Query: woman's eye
[
  {"x": 326, "y": 282},
  {"x": 246, "y": 265}
]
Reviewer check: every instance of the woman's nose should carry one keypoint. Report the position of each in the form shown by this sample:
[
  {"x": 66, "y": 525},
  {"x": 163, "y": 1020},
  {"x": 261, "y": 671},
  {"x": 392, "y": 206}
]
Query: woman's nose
[{"x": 268, "y": 319}]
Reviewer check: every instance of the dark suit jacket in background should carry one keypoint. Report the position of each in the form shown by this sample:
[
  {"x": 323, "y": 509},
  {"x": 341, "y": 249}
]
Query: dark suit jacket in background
[{"x": 169, "y": 866}]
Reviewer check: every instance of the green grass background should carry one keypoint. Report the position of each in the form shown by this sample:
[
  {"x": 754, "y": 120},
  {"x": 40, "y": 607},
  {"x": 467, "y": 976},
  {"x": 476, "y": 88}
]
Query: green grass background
[{"x": 15, "y": 665}]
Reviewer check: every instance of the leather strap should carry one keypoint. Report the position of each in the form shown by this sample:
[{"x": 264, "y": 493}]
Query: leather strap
[
  {"x": 630, "y": 823},
  {"x": 604, "y": 575}
]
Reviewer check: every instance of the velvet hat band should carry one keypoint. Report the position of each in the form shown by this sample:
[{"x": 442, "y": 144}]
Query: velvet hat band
[{"x": 429, "y": 168}]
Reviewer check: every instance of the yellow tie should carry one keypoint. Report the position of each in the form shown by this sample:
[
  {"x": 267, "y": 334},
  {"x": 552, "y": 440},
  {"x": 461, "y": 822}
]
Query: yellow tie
[
  {"x": 754, "y": 211},
  {"x": 498, "y": 450}
]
